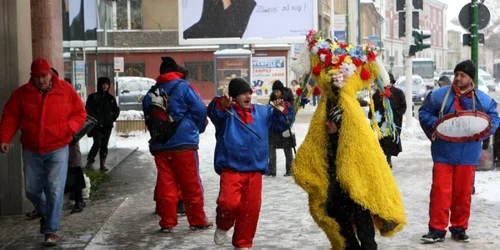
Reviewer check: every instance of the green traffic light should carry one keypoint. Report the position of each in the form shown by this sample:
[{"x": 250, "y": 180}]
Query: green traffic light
[{"x": 419, "y": 37}]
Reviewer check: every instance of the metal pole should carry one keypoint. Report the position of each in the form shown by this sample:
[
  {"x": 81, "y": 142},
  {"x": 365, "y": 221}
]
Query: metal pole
[
  {"x": 347, "y": 36},
  {"x": 359, "y": 21},
  {"x": 332, "y": 19},
  {"x": 475, "y": 37},
  {"x": 409, "y": 63}
]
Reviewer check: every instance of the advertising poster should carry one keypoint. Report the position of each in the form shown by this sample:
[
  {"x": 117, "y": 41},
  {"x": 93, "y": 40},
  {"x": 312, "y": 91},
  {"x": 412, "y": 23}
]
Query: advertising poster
[
  {"x": 265, "y": 70},
  {"x": 229, "y": 67},
  {"x": 246, "y": 21},
  {"x": 79, "y": 82}
]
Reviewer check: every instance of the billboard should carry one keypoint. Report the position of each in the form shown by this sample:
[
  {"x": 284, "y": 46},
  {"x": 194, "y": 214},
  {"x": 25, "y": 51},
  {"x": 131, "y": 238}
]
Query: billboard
[
  {"x": 229, "y": 66},
  {"x": 265, "y": 70},
  {"x": 246, "y": 21},
  {"x": 79, "y": 81}
]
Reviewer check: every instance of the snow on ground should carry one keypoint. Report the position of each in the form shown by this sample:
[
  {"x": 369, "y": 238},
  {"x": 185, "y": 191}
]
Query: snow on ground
[
  {"x": 131, "y": 115},
  {"x": 285, "y": 211}
]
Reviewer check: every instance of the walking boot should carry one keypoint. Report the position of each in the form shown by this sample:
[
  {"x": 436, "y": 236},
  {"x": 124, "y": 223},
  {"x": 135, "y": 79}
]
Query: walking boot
[
  {"x": 103, "y": 165},
  {"x": 181, "y": 210},
  {"x": 90, "y": 162}
]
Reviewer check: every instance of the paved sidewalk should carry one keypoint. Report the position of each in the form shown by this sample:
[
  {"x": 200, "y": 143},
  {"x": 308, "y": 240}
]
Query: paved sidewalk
[{"x": 19, "y": 232}]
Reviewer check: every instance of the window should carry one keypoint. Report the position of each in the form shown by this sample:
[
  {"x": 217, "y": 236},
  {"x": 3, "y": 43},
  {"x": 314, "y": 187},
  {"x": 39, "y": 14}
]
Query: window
[
  {"x": 134, "y": 69},
  {"x": 200, "y": 71},
  {"x": 131, "y": 69},
  {"x": 128, "y": 14}
]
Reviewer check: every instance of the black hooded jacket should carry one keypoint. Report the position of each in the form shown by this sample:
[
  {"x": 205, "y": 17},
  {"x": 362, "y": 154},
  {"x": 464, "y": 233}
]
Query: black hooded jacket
[{"x": 102, "y": 106}]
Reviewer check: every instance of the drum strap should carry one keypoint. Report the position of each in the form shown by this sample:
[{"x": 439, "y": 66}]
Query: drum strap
[
  {"x": 474, "y": 96},
  {"x": 444, "y": 102}
]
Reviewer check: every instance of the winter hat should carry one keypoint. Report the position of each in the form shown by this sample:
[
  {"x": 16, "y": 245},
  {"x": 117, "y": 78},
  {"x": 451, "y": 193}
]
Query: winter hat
[
  {"x": 467, "y": 67},
  {"x": 55, "y": 71},
  {"x": 444, "y": 80},
  {"x": 40, "y": 67},
  {"x": 391, "y": 78},
  {"x": 168, "y": 64},
  {"x": 278, "y": 85},
  {"x": 184, "y": 71},
  {"x": 101, "y": 81},
  {"x": 238, "y": 86}
]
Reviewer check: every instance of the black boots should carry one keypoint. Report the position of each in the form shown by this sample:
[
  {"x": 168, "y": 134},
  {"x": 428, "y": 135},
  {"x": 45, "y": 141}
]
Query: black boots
[
  {"x": 90, "y": 162},
  {"x": 102, "y": 166},
  {"x": 78, "y": 207}
]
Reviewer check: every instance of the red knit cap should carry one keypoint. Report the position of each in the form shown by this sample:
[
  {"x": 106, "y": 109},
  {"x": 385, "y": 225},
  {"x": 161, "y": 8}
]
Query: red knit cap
[{"x": 40, "y": 67}]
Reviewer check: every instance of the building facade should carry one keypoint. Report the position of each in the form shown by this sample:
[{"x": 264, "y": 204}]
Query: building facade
[
  {"x": 371, "y": 23},
  {"x": 433, "y": 18},
  {"x": 142, "y": 32}
]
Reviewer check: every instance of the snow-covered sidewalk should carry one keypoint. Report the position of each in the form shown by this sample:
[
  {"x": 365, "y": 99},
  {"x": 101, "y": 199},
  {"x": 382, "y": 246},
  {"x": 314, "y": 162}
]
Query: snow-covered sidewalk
[{"x": 285, "y": 222}]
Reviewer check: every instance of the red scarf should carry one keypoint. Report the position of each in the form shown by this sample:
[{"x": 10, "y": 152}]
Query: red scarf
[
  {"x": 468, "y": 92},
  {"x": 387, "y": 92},
  {"x": 245, "y": 115}
]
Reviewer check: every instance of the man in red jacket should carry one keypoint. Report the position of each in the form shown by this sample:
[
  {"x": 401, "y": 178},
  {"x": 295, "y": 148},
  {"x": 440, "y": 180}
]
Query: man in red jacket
[{"x": 49, "y": 112}]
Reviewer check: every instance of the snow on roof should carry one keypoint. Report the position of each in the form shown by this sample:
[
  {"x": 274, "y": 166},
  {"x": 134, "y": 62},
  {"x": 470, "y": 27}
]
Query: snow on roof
[{"x": 233, "y": 52}]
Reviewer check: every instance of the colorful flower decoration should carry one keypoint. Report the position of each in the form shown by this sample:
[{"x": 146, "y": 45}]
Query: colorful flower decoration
[{"x": 338, "y": 57}]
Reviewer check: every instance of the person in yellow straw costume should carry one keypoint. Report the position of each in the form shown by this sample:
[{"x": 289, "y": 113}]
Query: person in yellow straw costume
[{"x": 340, "y": 164}]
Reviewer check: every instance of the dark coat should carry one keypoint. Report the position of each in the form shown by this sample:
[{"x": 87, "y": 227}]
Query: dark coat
[
  {"x": 277, "y": 140},
  {"x": 398, "y": 105},
  {"x": 75, "y": 180},
  {"x": 102, "y": 106}
]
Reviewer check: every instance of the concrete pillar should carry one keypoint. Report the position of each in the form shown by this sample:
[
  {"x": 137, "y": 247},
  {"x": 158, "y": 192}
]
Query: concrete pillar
[
  {"x": 15, "y": 60},
  {"x": 47, "y": 32}
]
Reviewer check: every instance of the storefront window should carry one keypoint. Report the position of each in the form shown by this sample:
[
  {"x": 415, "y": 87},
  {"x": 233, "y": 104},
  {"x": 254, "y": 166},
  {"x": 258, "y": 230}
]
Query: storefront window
[{"x": 200, "y": 71}]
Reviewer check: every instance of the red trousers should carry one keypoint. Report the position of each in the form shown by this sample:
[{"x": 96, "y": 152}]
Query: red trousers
[
  {"x": 451, "y": 192},
  {"x": 180, "y": 169},
  {"x": 238, "y": 205},
  {"x": 179, "y": 193}
]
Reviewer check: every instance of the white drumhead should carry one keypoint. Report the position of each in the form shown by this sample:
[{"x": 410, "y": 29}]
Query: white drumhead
[{"x": 462, "y": 126}]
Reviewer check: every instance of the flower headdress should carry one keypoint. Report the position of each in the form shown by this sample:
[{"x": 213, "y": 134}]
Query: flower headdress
[{"x": 339, "y": 59}]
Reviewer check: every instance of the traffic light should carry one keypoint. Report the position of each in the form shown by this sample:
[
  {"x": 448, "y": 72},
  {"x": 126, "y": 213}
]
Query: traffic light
[{"x": 420, "y": 37}]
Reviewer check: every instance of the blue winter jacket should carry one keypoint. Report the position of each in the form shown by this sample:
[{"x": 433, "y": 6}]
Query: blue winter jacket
[
  {"x": 239, "y": 149},
  {"x": 455, "y": 153},
  {"x": 187, "y": 107}
]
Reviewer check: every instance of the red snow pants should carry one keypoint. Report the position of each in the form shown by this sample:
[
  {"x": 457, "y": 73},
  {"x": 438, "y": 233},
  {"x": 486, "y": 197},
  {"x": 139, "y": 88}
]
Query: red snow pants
[
  {"x": 451, "y": 192},
  {"x": 179, "y": 168},
  {"x": 238, "y": 205},
  {"x": 179, "y": 193}
]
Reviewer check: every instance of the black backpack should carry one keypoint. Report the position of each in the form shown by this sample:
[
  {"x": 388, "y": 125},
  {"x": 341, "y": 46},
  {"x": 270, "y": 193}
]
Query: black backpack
[{"x": 160, "y": 123}]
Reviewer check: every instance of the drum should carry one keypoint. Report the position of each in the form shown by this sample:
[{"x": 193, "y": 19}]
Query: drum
[{"x": 463, "y": 126}]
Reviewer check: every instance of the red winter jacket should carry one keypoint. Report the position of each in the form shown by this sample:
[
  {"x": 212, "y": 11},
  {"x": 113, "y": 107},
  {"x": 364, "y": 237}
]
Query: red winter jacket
[{"x": 47, "y": 122}]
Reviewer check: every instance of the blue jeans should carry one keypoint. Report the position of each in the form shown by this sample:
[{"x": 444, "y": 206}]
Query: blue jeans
[{"x": 44, "y": 180}]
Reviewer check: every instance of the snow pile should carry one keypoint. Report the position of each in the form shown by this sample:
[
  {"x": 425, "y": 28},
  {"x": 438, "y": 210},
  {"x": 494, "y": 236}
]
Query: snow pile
[
  {"x": 414, "y": 131},
  {"x": 130, "y": 115}
]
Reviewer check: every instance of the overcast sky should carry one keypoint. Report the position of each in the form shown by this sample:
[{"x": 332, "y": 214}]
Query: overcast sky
[{"x": 454, "y": 7}]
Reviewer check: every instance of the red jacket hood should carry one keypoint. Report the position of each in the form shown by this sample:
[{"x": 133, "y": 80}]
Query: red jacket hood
[{"x": 168, "y": 77}]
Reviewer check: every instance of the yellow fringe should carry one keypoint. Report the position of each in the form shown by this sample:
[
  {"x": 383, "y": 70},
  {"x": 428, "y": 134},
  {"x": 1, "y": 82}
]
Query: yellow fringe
[{"x": 362, "y": 169}]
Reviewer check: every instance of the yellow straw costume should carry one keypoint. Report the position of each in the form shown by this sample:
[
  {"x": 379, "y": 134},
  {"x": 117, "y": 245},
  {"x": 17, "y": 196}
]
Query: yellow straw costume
[{"x": 362, "y": 169}]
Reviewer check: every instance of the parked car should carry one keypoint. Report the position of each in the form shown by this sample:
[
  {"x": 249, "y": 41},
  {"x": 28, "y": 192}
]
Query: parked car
[
  {"x": 481, "y": 85},
  {"x": 419, "y": 89},
  {"x": 488, "y": 80},
  {"x": 131, "y": 90}
]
